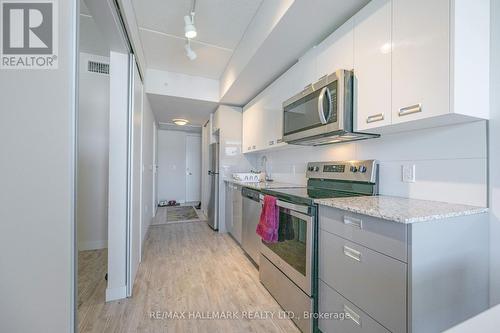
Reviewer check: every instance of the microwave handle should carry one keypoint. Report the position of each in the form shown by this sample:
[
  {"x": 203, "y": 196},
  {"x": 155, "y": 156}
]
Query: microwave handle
[{"x": 321, "y": 113}]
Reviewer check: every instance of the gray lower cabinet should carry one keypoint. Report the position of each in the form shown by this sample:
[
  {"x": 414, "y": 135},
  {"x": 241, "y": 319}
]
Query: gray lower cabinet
[
  {"x": 377, "y": 283},
  {"x": 237, "y": 213},
  {"x": 228, "y": 206},
  {"x": 351, "y": 320},
  {"x": 392, "y": 277},
  {"x": 234, "y": 211}
]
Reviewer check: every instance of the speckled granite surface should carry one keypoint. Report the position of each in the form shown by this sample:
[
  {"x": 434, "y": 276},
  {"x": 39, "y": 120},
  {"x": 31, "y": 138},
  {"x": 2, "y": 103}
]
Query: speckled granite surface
[
  {"x": 402, "y": 210},
  {"x": 263, "y": 185}
]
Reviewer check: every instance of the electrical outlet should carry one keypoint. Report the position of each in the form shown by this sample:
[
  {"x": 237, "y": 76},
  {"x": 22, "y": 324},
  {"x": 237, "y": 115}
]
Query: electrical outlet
[{"x": 408, "y": 173}]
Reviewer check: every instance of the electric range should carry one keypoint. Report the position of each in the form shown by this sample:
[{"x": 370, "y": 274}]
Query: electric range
[{"x": 288, "y": 268}]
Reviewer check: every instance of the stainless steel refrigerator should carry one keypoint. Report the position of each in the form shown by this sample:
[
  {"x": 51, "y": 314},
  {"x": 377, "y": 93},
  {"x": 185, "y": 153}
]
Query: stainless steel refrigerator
[{"x": 213, "y": 174}]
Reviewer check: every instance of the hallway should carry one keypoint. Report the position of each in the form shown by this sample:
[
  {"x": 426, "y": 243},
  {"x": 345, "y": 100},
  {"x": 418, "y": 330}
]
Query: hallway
[{"x": 187, "y": 267}]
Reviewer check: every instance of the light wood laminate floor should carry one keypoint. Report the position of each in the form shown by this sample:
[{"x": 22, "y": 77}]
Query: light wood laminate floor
[{"x": 186, "y": 267}]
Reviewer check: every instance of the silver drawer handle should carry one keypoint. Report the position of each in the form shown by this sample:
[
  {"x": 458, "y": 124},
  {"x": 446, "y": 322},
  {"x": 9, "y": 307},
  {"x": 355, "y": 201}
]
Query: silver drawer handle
[
  {"x": 354, "y": 222},
  {"x": 410, "y": 110},
  {"x": 352, "y": 315},
  {"x": 352, "y": 253},
  {"x": 271, "y": 142},
  {"x": 279, "y": 140},
  {"x": 253, "y": 147},
  {"x": 374, "y": 118},
  {"x": 249, "y": 147}
]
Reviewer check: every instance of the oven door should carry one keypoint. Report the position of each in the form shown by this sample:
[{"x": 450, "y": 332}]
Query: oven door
[{"x": 292, "y": 254}]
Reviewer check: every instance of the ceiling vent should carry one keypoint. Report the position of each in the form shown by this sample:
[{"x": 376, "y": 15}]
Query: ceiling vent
[{"x": 98, "y": 67}]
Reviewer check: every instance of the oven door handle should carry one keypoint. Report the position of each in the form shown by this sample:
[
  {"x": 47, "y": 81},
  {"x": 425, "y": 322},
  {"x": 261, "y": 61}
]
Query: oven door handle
[{"x": 295, "y": 208}]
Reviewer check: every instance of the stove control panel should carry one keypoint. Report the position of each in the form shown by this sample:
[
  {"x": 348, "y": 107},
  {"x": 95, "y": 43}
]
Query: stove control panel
[{"x": 363, "y": 171}]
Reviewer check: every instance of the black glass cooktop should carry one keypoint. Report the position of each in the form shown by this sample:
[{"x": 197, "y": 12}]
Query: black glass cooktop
[{"x": 321, "y": 190}]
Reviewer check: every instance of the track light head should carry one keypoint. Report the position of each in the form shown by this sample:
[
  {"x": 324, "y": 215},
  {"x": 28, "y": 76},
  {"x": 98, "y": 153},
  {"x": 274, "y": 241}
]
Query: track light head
[
  {"x": 189, "y": 28},
  {"x": 189, "y": 51}
]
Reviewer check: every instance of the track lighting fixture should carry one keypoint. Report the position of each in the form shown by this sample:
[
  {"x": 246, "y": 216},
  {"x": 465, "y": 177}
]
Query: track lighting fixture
[
  {"x": 189, "y": 28},
  {"x": 189, "y": 51}
]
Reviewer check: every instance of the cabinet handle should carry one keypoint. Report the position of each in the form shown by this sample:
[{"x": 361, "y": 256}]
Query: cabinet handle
[
  {"x": 307, "y": 88},
  {"x": 352, "y": 253},
  {"x": 280, "y": 140},
  {"x": 271, "y": 142},
  {"x": 322, "y": 78},
  {"x": 354, "y": 222},
  {"x": 374, "y": 118},
  {"x": 410, "y": 110},
  {"x": 249, "y": 148},
  {"x": 253, "y": 147},
  {"x": 352, "y": 315}
]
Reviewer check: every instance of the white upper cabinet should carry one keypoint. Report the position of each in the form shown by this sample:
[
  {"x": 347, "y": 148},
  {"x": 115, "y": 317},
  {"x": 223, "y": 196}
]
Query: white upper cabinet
[
  {"x": 417, "y": 64},
  {"x": 440, "y": 61},
  {"x": 420, "y": 59},
  {"x": 250, "y": 128},
  {"x": 372, "y": 65},
  {"x": 336, "y": 51}
]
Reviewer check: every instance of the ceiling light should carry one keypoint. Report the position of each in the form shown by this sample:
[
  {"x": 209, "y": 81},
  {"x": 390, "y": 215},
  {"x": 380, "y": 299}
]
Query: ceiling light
[
  {"x": 189, "y": 28},
  {"x": 189, "y": 51},
  {"x": 180, "y": 122}
]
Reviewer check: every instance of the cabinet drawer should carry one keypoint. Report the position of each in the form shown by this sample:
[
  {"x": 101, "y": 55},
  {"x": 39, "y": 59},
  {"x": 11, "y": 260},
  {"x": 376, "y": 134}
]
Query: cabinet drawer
[
  {"x": 374, "y": 282},
  {"x": 380, "y": 235},
  {"x": 355, "y": 322}
]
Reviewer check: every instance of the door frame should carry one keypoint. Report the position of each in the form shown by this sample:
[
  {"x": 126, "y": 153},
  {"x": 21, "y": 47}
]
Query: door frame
[
  {"x": 155, "y": 169},
  {"x": 195, "y": 135}
]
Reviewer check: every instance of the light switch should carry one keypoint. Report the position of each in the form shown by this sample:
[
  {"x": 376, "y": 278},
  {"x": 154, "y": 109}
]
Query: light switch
[{"x": 408, "y": 171}]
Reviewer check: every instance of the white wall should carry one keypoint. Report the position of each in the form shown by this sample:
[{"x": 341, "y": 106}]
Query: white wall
[
  {"x": 37, "y": 184},
  {"x": 93, "y": 150},
  {"x": 451, "y": 162},
  {"x": 172, "y": 165},
  {"x": 148, "y": 133},
  {"x": 494, "y": 150}
]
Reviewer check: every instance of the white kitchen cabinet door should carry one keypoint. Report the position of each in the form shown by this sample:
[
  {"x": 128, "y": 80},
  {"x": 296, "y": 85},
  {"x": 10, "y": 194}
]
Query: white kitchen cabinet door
[
  {"x": 247, "y": 132},
  {"x": 372, "y": 65},
  {"x": 278, "y": 92},
  {"x": 420, "y": 59},
  {"x": 336, "y": 51},
  {"x": 253, "y": 127},
  {"x": 307, "y": 68}
]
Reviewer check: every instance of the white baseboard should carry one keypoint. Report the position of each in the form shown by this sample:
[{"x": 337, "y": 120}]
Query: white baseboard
[
  {"x": 116, "y": 293},
  {"x": 92, "y": 245}
]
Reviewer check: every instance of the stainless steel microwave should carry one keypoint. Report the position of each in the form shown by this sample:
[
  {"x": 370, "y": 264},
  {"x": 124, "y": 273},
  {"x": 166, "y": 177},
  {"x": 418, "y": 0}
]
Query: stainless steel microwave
[{"x": 322, "y": 113}]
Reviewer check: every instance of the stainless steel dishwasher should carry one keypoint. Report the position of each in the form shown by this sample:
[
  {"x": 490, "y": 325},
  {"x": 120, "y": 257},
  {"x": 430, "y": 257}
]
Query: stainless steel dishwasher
[{"x": 251, "y": 242}]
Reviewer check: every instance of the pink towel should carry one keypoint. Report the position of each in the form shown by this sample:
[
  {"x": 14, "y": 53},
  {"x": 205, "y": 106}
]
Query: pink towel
[{"x": 268, "y": 225}]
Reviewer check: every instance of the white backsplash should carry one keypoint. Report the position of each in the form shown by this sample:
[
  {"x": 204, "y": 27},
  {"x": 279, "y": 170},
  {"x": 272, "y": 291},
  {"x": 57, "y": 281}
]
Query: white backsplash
[{"x": 451, "y": 162}]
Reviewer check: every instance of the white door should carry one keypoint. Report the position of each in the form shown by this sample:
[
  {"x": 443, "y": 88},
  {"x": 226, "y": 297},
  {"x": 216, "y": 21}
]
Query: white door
[{"x": 193, "y": 168}]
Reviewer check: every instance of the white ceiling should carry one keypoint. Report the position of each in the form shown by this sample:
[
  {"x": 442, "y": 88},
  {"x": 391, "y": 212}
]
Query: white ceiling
[
  {"x": 167, "y": 108},
  {"x": 305, "y": 24},
  {"x": 220, "y": 25},
  {"x": 91, "y": 39}
]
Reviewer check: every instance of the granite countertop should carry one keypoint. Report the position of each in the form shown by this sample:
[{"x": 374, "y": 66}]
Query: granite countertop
[
  {"x": 263, "y": 185},
  {"x": 402, "y": 210}
]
